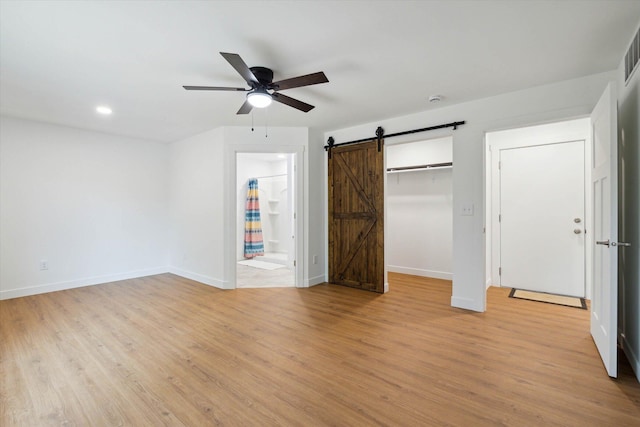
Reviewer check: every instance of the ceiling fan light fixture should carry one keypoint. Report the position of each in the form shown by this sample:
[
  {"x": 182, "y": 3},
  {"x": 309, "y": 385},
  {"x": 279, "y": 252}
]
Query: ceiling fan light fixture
[
  {"x": 259, "y": 98},
  {"x": 104, "y": 110}
]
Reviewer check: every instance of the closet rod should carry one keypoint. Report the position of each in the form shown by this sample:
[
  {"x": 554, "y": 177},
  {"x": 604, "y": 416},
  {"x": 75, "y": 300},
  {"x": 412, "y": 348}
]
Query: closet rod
[
  {"x": 380, "y": 134},
  {"x": 429, "y": 166}
]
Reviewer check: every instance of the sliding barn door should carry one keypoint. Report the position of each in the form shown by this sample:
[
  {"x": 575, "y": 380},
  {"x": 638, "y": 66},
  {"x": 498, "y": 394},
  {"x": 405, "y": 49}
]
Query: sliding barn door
[{"x": 356, "y": 207}]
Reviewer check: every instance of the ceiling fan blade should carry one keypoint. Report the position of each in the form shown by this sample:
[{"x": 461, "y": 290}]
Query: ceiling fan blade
[
  {"x": 291, "y": 102},
  {"x": 309, "y": 79},
  {"x": 240, "y": 66},
  {"x": 235, "y": 89},
  {"x": 246, "y": 108}
]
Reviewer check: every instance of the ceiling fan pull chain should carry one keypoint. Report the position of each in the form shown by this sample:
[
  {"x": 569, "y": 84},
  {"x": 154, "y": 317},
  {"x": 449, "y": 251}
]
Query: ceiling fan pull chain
[
  {"x": 266, "y": 123},
  {"x": 251, "y": 120}
]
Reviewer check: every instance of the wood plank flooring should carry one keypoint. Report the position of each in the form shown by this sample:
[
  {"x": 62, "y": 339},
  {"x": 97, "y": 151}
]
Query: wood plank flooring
[{"x": 164, "y": 350}]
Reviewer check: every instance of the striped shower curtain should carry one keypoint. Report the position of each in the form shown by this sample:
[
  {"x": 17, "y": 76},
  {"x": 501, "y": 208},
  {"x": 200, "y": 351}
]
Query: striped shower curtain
[{"x": 253, "y": 244}]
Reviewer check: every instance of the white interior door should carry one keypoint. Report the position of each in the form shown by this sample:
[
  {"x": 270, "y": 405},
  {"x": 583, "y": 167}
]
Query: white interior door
[
  {"x": 542, "y": 206},
  {"x": 604, "y": 176}
]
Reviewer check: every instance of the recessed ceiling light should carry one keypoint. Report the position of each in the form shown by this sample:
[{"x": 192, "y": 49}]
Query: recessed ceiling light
[{"x": 103, "y": 109}]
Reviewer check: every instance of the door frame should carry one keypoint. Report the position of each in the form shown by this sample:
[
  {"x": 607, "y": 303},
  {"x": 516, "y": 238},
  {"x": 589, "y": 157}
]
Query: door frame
[
  {"x": 527, "y": 136},
  {"x": 231, "y": 202}
]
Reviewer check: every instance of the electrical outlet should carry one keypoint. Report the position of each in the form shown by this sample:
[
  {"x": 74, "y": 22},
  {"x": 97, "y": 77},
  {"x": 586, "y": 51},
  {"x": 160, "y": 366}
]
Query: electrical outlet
[
  {"x": 467, "y": 209},
  {"x": 44, "y": 265}
]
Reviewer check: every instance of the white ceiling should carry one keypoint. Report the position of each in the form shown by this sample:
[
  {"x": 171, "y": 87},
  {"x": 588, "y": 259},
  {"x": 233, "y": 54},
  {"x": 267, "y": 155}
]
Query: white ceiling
[{"x": 59, "y": 59}]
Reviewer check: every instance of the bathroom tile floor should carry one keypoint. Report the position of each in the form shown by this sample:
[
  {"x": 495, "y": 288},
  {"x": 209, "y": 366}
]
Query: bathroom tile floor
[{"x": 250, "y": 277}]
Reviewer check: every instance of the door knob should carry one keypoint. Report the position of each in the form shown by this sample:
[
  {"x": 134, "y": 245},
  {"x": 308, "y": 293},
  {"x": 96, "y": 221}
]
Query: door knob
[
  {"x": 577, "y": 231},
  {"x": 577, "y": 220}
]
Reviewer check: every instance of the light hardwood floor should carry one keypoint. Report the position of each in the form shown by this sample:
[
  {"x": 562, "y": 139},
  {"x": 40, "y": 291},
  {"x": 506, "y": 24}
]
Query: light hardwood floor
[{"x": 163, "y": 350}]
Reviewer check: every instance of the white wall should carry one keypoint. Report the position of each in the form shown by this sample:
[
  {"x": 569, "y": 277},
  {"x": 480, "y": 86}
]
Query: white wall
[
  {"x": 196, "y": 190},
  {"x": 92, "y": 205},
  {"x": 419, "y": 226},
  {"x": 558, "y": 101},
  {"x": 629, "y": 222},
  {"x": 418, "y": 153},
  {"x": 419, "y": 210},
  {"x": 316, "y": 220},
  {"x": 203, "y": 199},
  {"x": 99, "y": 207}
]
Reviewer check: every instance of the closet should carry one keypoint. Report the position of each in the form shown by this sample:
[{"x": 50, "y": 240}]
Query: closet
[{"x": 419, "y": 208}]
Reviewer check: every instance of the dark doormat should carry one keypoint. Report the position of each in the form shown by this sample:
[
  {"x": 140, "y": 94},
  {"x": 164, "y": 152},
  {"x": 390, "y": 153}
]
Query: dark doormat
[{"x": 548, "y": 298}]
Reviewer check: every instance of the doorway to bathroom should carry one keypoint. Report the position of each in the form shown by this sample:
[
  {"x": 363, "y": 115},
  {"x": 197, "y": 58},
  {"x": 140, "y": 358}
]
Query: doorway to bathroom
[{"x": 265, "y": 223}]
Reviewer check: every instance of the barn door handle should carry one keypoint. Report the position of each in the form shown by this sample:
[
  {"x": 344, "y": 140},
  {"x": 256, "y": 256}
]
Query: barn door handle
[{"x": 603, "y": 242}]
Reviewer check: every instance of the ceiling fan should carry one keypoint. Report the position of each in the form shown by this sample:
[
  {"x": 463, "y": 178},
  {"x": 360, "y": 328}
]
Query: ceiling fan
[{"x": 263, "y": 89}]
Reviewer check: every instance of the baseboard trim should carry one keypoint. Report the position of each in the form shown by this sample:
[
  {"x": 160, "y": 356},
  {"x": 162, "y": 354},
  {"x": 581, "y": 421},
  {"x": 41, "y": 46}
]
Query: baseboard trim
[
  {"x": 207, "y": 280},
  {"x": 420, "y": 272},
  {"x": 467, "y": 304},
  {"x": 312, "y": 281},
  {"x": 634, "y": 361},
  {"x": 79, "y": 283}
]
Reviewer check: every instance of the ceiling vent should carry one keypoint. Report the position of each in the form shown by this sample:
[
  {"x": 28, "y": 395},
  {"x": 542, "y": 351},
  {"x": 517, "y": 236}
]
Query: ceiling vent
[{"x": 632, "y": 57}]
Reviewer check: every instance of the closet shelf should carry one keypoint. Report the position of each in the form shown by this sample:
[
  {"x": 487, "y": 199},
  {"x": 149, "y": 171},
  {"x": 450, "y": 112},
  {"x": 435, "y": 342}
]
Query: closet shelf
[
  {"x": 274, "y": 200},
  {"x": 274, "y": 213},
  {"x": 446, "y": 165}
]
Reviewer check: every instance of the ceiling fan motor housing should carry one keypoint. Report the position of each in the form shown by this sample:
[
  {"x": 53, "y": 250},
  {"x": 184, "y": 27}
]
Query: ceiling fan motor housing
[{"x": 263, "y": 74}]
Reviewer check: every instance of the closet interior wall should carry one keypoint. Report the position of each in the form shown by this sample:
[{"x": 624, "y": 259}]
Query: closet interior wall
[{"x": 419, "y": 205}]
